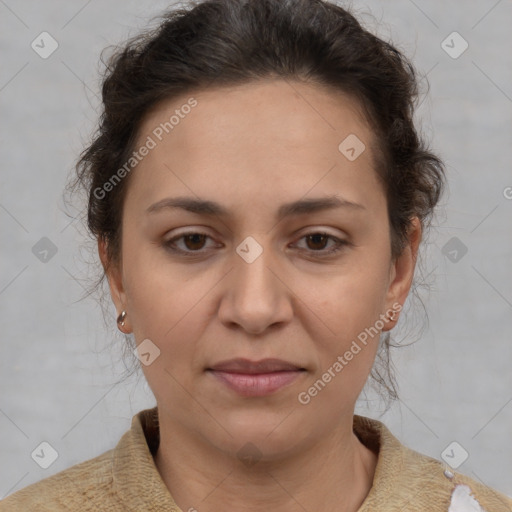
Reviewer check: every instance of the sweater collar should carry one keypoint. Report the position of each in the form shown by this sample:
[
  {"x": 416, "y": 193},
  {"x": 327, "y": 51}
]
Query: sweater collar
[
  {"x": 144, "y": 488},
  {"x": 390, "y": 462},
  {"x": 136, "y": 480}
]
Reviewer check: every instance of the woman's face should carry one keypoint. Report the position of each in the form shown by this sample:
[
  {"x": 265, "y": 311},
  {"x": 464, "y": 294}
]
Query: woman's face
[{"x": 251, "y": 283}]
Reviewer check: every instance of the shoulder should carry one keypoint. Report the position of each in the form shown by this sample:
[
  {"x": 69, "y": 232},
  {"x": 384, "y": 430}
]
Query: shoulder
[
  {"x": 123, "y": 478},
  {"x": 81, "y": 487},
  {"x": 433, "y": 485},
  {"x": 408, "y": 480}
]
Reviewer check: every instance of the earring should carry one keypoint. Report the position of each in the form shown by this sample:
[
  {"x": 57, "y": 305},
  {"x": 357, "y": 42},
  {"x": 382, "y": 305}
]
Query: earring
[
  {"x": 120, "y": 318},
  {"x": 392, "y": 316}
]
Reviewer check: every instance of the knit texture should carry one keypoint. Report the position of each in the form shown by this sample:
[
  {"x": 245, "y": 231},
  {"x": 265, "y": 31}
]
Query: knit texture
[{"x": 126, "y": 479}]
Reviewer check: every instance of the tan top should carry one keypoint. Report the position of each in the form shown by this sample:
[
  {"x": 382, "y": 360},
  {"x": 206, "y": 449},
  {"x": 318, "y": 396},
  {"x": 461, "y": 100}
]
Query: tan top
[{"x": 126, "y": 478}]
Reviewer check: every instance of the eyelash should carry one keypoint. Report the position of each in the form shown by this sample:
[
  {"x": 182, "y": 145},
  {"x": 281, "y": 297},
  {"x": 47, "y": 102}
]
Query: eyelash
[{"x": 340, "y": 244}]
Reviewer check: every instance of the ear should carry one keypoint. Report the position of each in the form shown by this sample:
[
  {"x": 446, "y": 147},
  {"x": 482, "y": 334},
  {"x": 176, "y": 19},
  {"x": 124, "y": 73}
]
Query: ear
[
  {"x": 402, "y": 272},
  {"x": 115, "y": 282}
]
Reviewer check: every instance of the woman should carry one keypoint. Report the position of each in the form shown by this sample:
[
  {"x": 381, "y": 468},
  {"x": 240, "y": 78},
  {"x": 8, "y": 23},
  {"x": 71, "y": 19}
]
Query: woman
[{"x": 258, "y": 192}]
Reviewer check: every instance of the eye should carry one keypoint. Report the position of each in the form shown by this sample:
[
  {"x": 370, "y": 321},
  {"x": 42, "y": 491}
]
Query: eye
[
  {"x": 193, "y": 242},
  {"x": 319, "y": 239}
]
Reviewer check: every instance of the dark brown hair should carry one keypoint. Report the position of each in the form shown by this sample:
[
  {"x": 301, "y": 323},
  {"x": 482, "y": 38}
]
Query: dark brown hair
[{"x": 227, "y": 42}]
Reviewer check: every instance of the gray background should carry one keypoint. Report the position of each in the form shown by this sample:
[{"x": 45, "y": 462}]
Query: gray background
[{"x": 60, "y": 363}]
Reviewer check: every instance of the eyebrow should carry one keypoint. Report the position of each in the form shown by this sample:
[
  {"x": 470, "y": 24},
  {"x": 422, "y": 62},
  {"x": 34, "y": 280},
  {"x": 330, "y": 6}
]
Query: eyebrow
[{"x": 300, "y": 207}]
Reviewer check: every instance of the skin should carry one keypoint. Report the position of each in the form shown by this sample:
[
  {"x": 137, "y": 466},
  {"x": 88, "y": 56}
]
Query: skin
[{"x": 252, "y": 148}]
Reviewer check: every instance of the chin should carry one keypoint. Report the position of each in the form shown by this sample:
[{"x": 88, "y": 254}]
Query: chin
[{"x": 269, "y": 436}]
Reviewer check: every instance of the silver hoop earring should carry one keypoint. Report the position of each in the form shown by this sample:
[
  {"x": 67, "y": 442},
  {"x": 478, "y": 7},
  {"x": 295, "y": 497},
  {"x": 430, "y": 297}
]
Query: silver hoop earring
[{"x": 120, "y": 318}]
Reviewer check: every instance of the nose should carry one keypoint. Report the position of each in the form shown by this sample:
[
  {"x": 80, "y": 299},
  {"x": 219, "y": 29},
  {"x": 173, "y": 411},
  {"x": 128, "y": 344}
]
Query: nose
[{"x": 255, "y": 294}]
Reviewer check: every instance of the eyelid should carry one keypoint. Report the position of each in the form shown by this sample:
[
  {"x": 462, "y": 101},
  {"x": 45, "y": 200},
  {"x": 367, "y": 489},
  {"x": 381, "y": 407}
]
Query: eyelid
[
  {"x": 340, "y": 243},
  {"x": 181, "y": 235}
]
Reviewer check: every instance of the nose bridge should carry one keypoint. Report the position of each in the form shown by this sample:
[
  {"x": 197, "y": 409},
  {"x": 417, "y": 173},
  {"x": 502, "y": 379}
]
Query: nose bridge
[
  {"x": 253, "y": 276},
  {"x": 256, "y": 297},
  {"x": 254, "y": 271}
]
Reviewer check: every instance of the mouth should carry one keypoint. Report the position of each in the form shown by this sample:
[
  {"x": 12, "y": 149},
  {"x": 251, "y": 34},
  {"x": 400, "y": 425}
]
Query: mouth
[{"x": 256, "y": 378}]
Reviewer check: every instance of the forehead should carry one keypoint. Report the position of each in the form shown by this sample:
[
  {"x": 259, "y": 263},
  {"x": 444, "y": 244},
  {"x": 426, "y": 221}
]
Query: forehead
[
  {"x": 267, "y": 136},
  {"x": 306, "y": 109}
]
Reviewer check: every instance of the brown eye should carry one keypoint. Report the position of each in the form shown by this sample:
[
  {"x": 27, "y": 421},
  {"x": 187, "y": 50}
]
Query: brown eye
[
  {"x": 191, "y": 243},
  {"x": 317, "y": 243},
  {"x": 194, "y": 241},
  {"x": 319, "y": 240}
]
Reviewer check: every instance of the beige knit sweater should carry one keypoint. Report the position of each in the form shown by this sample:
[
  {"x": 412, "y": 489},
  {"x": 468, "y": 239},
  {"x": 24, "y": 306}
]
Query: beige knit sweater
[{"x": 126, "y": 479}]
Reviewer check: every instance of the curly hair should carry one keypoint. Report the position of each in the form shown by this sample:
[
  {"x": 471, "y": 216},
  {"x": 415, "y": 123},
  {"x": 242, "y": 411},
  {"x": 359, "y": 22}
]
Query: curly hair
[{"x": 227, "y": 42}]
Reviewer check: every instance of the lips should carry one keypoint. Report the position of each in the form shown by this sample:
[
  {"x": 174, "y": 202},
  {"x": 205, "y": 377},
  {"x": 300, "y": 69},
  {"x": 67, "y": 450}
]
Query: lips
[
  {"x": 247, "y": 366},
  {"x": 256, "y": 378}
]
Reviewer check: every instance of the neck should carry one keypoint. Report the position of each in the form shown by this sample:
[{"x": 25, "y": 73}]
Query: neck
[{"x": 335, "y": 474}]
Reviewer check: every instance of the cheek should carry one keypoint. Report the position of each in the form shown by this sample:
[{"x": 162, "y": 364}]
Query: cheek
[
  {"x": 350, "y": 307},
  {"x": 164, "y": 306},
  {"x": 346, "y": 322},
  {"x": 160, "y": 300},
  {"x": 353, "y": 298},
  {"x": 171, "y": 305},
  {"x": 167, "y": 309}
]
